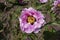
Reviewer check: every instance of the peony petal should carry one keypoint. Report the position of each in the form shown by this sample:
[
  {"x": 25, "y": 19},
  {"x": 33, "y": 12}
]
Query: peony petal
[
  {"x": 43, "y": 1},
  {"x": 55, "y": 3},
  {"x": 30, "y": 29},
  {"x": 37, "y": 30}
]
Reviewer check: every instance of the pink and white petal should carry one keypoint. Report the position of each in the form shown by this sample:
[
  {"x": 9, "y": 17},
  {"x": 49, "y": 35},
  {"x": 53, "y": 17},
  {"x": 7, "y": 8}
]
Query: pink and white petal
[
  {"x": 37, "y": 25},
  {"x": 26, "y": 25},
  {"x": 58, "y": 0},
  {"x": 55, "y": 3},
  {"x": 31, "y": 9},
  {"x": 25, "y": 13},
  {"x": 41, "y": 21},
  {"x": 37, "y": 30},
  {"x": 30, "y": 29},
  {"x": 43, "y": 1},
  {"x": 40, "y": 14}
]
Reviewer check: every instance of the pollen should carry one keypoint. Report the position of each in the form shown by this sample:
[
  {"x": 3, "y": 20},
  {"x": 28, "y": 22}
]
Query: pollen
[
  {"x": 58, "y": 5},
  {"x": 31, "y": 19}
]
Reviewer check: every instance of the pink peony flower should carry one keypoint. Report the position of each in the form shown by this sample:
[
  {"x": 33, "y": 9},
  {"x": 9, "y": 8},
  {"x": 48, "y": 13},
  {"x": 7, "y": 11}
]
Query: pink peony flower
[
  {"x": 56, "y": 3},
  {"x": 31, "y": 20},
  {"x": 56, "y": 6},
  {"x": 43, "y": 1}
]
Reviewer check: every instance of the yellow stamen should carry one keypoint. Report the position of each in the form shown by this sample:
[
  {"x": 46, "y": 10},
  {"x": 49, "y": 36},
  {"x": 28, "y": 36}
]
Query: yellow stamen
[
  {"x": 58, "y": 5},
  {"x": 31, "y": 19}
]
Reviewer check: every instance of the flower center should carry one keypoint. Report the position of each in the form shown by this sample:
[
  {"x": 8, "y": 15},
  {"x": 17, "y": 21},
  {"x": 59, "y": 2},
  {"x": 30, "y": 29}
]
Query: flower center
[
  {"x": 31, "y": 19},
  {"x": 58, "y": 5}
]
